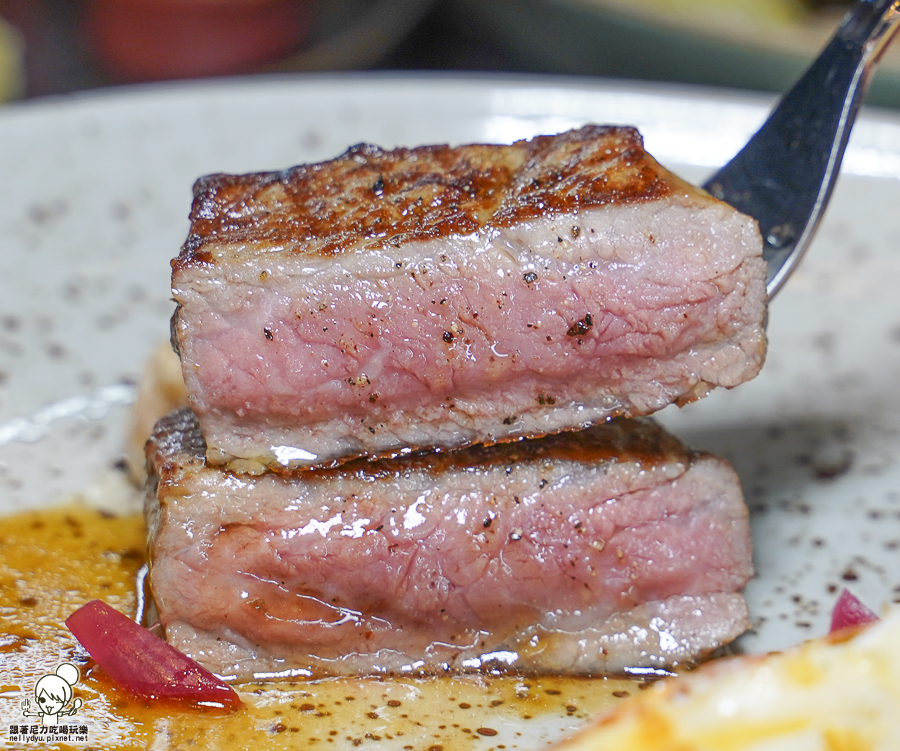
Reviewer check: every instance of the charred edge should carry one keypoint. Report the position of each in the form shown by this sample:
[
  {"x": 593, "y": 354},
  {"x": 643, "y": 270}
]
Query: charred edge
[
  {"x": 365, "y": 152},
  {"x": 206, "y": 186},
  {"x": 476, "y": 178},
  {"x": 192, "y": 253}
]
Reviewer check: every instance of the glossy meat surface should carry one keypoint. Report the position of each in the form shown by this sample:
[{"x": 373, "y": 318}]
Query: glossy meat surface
[
  {"x": 439, "y": 297},
  {"x": 376, "y": 199},
  {"x": 599, "y": 551}
]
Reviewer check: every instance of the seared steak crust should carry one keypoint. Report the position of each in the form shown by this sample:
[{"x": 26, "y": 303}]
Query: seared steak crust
[
  {"x": 369, "y": 198},
  {"x": 600, "y": 551},
  {"x": 439, "y": 297}
]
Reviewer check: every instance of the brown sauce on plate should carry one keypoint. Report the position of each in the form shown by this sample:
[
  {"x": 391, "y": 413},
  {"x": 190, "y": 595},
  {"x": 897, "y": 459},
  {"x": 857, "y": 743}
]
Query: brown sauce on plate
[{"x": 53, "y": 561}]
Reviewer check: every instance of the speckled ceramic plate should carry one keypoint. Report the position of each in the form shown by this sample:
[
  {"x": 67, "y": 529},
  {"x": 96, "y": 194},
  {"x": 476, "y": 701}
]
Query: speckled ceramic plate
[{"x": 94, "y": 195}]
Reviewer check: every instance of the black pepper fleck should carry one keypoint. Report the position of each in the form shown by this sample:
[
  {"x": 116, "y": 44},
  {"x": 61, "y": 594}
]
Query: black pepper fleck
[{"x": 580, "y": 328}]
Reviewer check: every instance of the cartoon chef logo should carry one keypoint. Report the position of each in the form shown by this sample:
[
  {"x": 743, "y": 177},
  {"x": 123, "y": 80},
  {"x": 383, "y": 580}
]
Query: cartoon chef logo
[{"x": 53, "y": 694}]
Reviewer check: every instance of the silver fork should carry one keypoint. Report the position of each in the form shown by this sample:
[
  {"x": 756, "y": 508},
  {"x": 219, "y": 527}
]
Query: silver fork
[{"x": 785, "y": 174}]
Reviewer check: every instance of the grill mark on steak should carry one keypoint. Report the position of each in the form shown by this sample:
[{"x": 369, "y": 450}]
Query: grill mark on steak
[{"x": 422, "y": 193}]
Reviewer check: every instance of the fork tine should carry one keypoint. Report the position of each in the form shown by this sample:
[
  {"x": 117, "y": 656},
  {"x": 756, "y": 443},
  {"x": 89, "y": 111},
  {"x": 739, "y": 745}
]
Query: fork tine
[{"x": 784, "y": 175}]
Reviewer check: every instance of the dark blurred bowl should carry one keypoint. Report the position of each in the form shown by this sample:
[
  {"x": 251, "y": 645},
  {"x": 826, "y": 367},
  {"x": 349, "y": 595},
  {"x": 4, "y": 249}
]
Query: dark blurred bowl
[{"x": 636, "y": 39}]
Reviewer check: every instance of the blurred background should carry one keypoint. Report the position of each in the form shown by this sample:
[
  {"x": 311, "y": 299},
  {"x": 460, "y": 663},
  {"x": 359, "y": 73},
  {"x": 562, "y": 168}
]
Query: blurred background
[{"x": 56, "y": 46}]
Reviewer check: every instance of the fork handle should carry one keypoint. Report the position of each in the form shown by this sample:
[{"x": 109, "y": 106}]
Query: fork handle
[{"x": 784, "y": 176}]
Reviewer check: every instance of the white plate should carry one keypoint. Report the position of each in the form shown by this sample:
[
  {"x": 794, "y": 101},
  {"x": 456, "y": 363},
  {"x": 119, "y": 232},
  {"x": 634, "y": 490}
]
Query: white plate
[{"x": 93, "y": 204}]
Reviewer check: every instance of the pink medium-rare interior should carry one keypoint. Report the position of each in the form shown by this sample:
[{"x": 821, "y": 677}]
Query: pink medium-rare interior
[
  {"x": 475, "y": 338},
  {"x": 337, "y": 568}
]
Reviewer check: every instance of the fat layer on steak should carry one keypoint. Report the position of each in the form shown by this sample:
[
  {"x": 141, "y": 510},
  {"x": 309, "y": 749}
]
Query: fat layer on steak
[
  {"x": 607, "y": 550},
  {"x": 438, "y": 297}
]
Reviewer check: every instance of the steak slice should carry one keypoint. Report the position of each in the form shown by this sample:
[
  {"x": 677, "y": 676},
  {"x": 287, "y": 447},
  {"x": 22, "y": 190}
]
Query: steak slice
[
  {"x": 439, "y": 297},
  {"x": 600, "y": 551}
]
